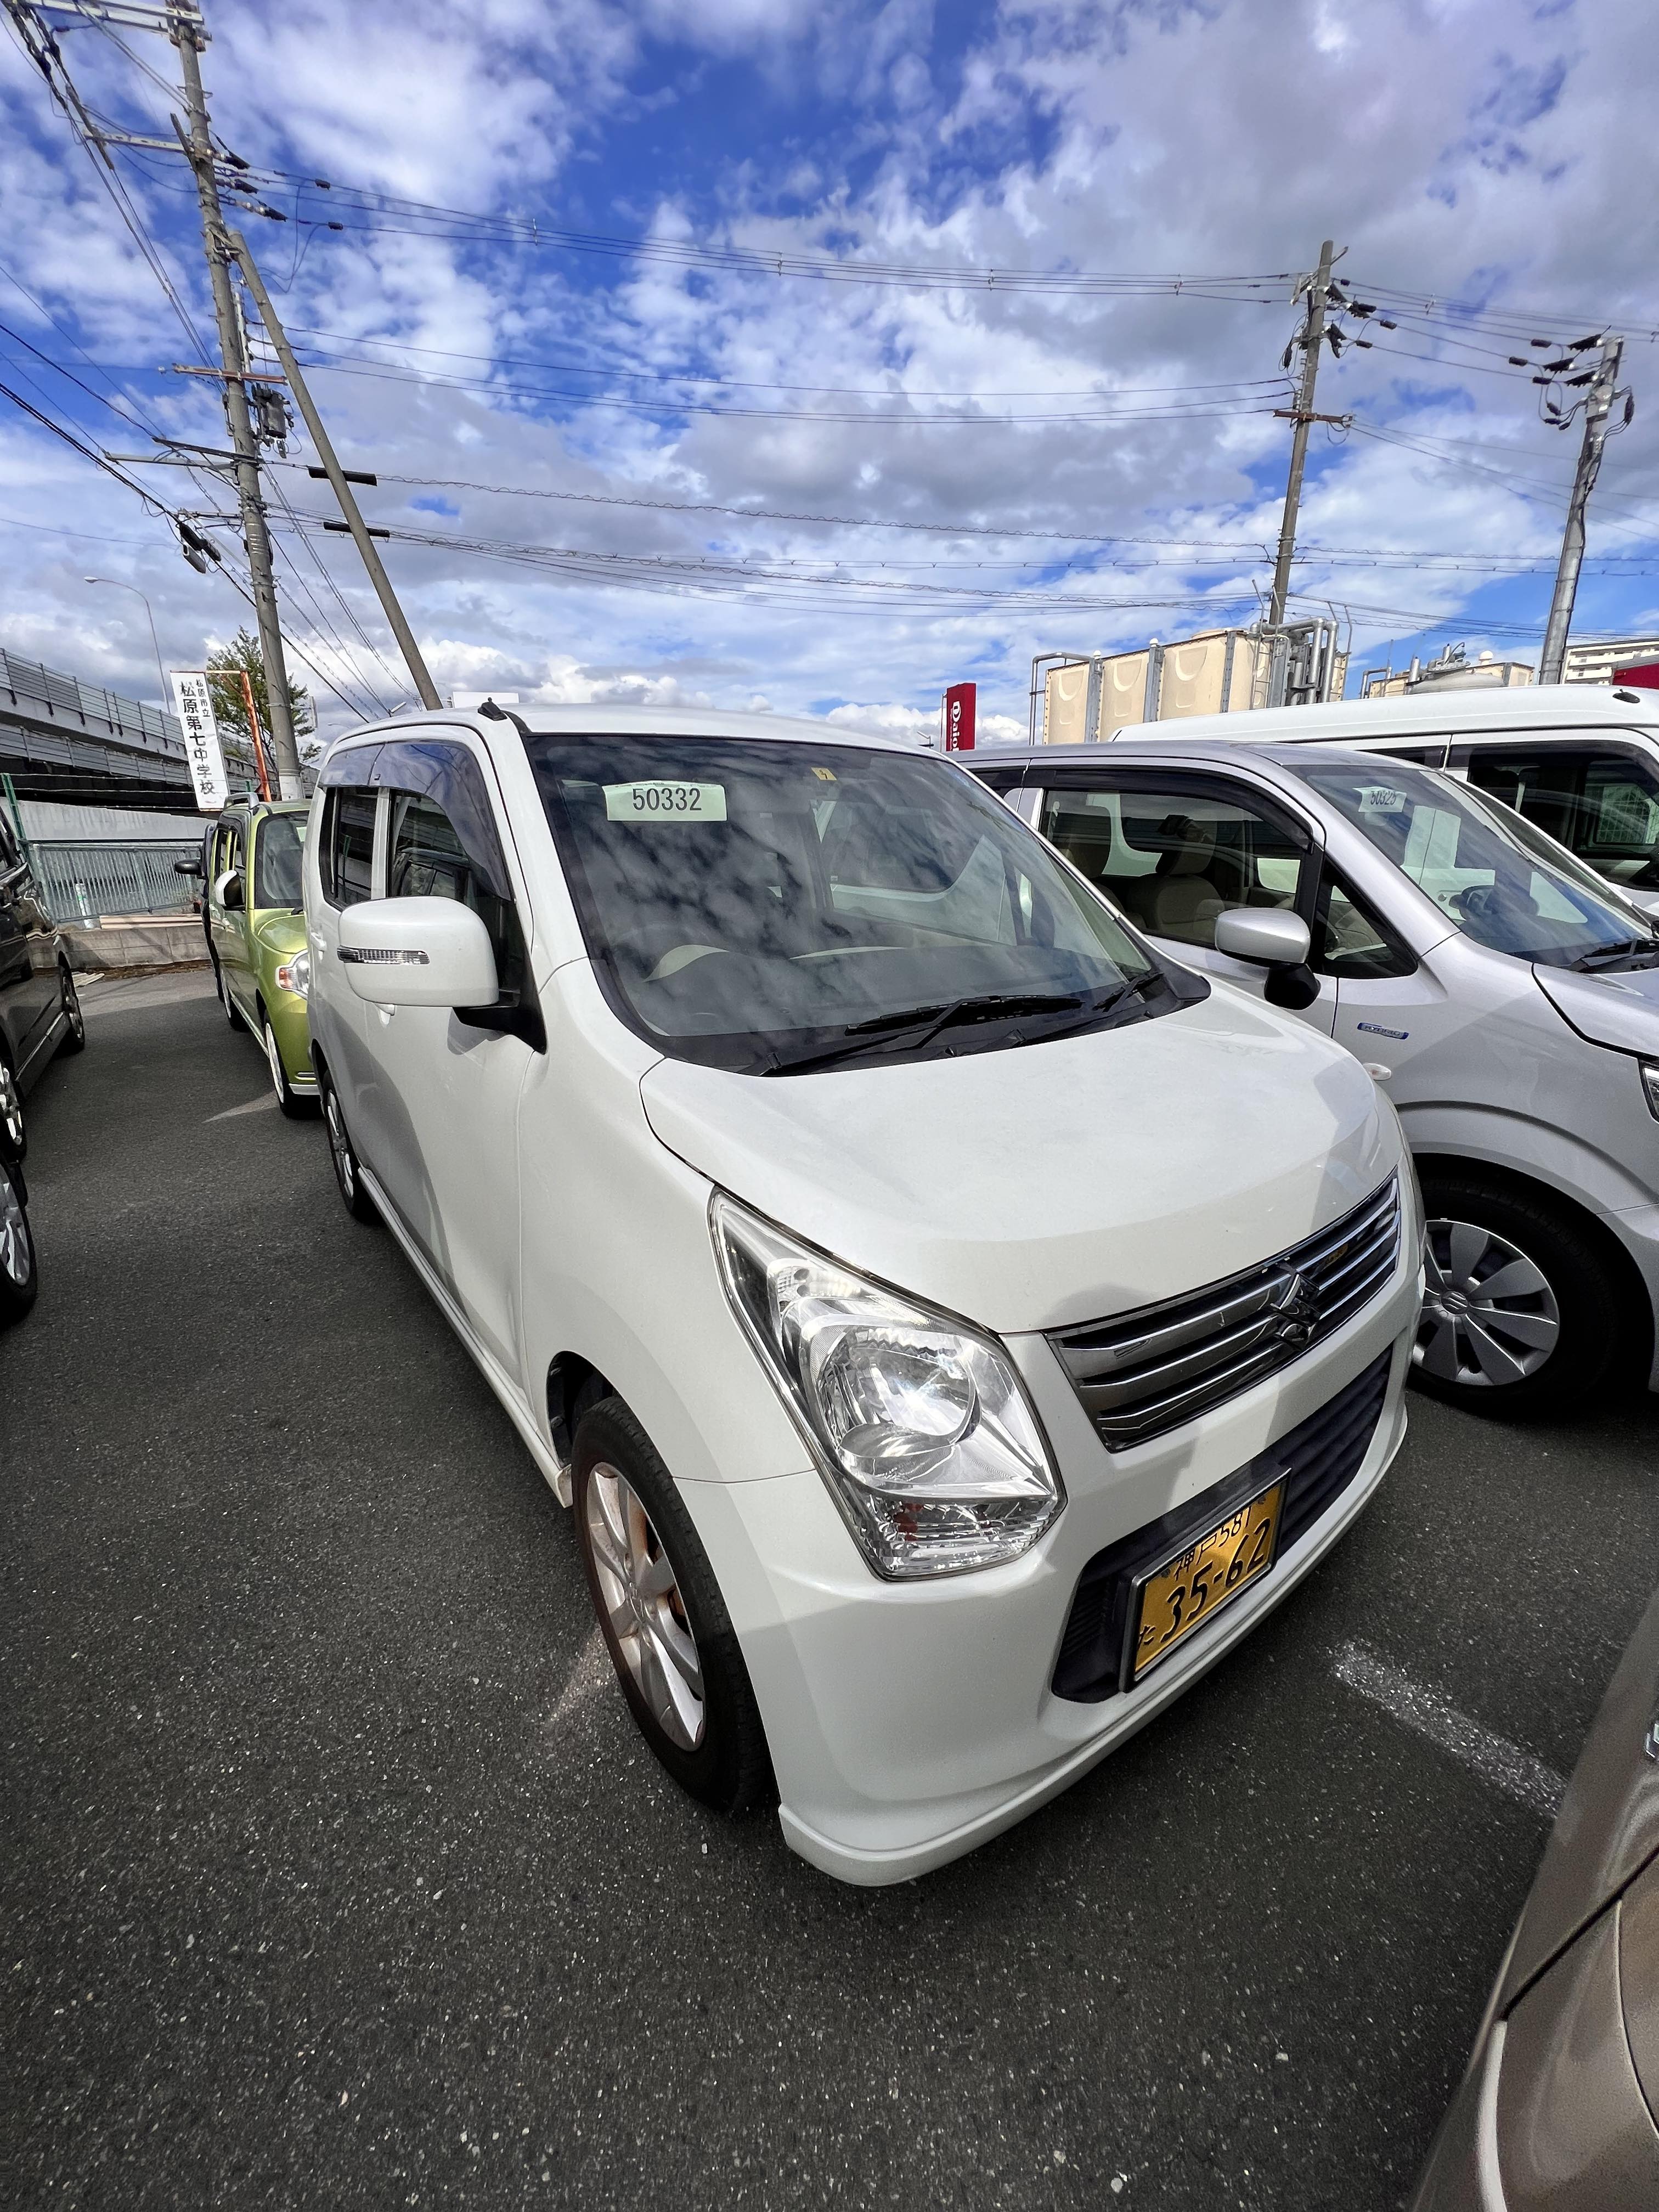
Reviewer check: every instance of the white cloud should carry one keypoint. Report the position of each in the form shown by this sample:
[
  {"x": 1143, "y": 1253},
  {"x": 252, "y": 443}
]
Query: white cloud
[{"x": 1454, "y": 148}]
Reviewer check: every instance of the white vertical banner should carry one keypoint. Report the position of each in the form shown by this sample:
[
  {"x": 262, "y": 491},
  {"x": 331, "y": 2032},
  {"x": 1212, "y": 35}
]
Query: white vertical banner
[{"x": 194, "y": 702}]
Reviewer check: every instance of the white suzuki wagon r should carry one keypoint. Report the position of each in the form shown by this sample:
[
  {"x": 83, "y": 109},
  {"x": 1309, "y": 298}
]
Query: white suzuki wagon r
[{"x": 953, "y": 1322}]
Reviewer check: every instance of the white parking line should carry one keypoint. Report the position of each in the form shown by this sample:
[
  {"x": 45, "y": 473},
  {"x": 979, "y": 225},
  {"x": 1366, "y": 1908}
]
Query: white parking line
[{"x": 1493, "y": 1758}]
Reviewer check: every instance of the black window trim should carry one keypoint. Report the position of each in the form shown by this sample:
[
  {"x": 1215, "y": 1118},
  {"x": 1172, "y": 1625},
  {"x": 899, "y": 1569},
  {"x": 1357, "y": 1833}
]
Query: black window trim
[
  {"x": 1329, "y": 871},
  {"x": 339, "y": 790},
  {"x": 1619, "y": 740}
]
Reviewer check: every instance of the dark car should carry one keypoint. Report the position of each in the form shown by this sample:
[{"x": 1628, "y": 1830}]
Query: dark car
[
  {"x": 1556, "y": 2111},
  {"x": 39, "y": 1009}
]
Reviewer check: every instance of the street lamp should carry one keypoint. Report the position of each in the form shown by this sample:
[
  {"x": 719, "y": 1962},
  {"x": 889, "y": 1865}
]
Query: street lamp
[{"x": 153, "y": 639}]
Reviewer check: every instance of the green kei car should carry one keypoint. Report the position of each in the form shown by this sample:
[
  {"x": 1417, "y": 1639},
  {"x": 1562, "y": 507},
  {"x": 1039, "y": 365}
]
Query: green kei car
[{"x": 255, "y": 925}]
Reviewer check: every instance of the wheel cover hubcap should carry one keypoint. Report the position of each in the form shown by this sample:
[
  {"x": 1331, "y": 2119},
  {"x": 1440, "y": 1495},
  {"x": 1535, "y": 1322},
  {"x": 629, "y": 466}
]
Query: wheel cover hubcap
[
  {"x": 1490, "y": 1317},
  {"x": 15, "y": 1256},
  {"x": 643, "y": 1606}
]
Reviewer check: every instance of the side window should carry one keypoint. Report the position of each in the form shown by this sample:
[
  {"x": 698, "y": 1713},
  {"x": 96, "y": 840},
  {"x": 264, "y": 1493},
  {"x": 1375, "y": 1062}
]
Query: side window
[
  {"x": 9, "y": 854},
  {"x": 427, "y": 858},
  {"x": 1172, "y": 858},
  {"x": 1600, "y": 803},
  {"x": 1350, "y": 937},
  {"x": 347, "y": 856},
  {"x": 230, "y": 851}
]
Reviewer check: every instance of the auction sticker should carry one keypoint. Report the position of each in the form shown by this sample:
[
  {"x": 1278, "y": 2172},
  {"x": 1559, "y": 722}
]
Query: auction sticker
[
  {"x": 660, "y": 800},
  {"x": 1382, "y": 799}
]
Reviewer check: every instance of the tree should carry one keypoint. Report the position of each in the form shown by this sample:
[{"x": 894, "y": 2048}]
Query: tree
[{"x": 225, "y": 669}]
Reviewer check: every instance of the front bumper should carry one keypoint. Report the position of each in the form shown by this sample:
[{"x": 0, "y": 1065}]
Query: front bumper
[{"x": 910, "y": 1723}]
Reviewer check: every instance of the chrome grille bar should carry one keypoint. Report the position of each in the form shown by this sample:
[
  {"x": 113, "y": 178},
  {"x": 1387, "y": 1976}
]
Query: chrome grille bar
[{"x": 1142, "y": 1374}]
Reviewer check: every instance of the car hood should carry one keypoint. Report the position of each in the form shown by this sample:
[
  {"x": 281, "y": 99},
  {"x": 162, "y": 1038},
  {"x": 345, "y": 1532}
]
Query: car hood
[
  {"x": 1608, "y": 1826},
  {"x": 281, "y": 932},
  {"x": 1621, "y": 1011},
  {"x": 1053, "y": 1182}
]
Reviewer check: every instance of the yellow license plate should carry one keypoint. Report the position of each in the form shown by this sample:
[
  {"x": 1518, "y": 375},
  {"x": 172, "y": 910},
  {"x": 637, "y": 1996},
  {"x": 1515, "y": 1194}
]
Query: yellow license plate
[{"x": 1189, "y": 1590}]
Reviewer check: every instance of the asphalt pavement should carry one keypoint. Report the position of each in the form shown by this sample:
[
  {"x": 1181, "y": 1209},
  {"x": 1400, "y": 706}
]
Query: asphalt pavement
[{"x": 332, "y": 1872}]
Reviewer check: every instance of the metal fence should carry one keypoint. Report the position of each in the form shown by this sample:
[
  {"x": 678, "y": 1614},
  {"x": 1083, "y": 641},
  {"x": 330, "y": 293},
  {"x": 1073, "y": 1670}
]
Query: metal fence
[{"x": 82, "y": 882}]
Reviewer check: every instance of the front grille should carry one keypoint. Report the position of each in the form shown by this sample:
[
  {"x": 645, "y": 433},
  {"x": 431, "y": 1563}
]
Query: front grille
[
  {"x": 1143, "y": 1373},
  {"x": 1318, "y": 1459}
]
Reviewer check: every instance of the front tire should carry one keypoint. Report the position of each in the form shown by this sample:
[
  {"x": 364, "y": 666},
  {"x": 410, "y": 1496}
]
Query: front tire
[
  {"x": 296, "y": 1107},
  {"x": 348, "y": 1172},
  {"x": 1521, "y": 1313},
  {"x": 665, "y": 1622},
  {"x": 228, "y": 1005},
  {"x": 75, "y": 1031},
  {"x": 19, "y": 1278}
]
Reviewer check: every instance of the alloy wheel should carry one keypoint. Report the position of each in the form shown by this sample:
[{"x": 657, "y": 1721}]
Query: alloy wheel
[
  {"x": 344, "y": 1167},
  {"x": 645, "y": 1611},
  {"x": 11, "y": 1109},
  {"x": 77, "y": 1020},
  {"x": 15, "y": 1257},
  {"x": 1490, "y": 1316}
]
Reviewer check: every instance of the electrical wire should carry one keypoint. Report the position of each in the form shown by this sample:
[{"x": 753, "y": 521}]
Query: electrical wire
[{"x": 1248, "y": 384}]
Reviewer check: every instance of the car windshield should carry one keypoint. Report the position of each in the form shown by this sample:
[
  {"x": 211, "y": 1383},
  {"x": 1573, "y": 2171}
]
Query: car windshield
[
  {"x": 773, "y": 904},
  {"x": 1500, "y": 880},
  {"x": 278, "y": 861}
]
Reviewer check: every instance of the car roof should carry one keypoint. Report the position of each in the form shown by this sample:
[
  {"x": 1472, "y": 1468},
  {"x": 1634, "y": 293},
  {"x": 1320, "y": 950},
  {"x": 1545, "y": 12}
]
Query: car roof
[
  {"x": 1153, "y": 753},
  {"x": 1432, "y": 714},
  {"x": 637, "y": 722}
]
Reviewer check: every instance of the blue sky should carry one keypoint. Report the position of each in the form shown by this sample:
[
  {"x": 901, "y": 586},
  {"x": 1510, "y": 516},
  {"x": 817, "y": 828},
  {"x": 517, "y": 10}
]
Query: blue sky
[{"x": 935, "y": 476}]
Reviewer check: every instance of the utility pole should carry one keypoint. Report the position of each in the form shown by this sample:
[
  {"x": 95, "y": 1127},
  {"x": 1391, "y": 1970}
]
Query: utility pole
[
  {"x": 189, "y": 35},
  {"x": 1598, "y": 408},
  {"x": 1311, "y": 338},
  {"x": 343, "y": 491}
]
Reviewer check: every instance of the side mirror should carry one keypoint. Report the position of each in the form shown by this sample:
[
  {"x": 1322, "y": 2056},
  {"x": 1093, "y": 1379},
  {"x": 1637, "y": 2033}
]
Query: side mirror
[
  {"x": 190, "y": 867},
  {"x": 228, "y": 891},
  {"x": 1266, "y": 936},
  {"x": 1271, "y": 937},
  {"x": 418, "y": 953}
]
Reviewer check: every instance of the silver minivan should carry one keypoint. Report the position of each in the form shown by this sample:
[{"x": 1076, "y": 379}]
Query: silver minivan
[{"x": 1506, "y": 997}]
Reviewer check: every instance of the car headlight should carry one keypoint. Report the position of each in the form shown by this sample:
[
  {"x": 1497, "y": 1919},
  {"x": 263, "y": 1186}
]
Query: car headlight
[
  {"x": 919, "y": 1423},
  {"x": 294, "y": 976},
  {"x": 1651, "y": 1085}
]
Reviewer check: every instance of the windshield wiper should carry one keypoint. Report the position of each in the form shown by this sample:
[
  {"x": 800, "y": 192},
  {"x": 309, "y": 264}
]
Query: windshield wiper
[
  {"x": 886, "y": 1032},
  {"x": 1628, "y": 949}
]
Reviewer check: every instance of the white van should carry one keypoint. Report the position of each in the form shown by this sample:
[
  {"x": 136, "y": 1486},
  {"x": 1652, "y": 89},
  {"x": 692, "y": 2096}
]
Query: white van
[
  {"x": 1580, "y": 760},
  {"x": 954, "y": 1324}
]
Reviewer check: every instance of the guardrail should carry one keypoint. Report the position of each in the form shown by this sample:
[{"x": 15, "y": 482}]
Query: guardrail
[{"x": 84, "y": 882}]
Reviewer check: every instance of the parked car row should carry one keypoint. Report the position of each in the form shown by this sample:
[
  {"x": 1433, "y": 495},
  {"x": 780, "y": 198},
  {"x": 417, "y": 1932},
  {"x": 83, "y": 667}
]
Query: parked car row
[
  {"x": 39, "y": 1016},
  {"x": 975, "y": 1230},
  {"x": 877, "y": 1218}
]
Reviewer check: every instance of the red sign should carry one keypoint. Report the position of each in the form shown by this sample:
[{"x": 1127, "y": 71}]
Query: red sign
[
  {"x": 961, "y": 707},
  {"x": 1644, "y": 676}
]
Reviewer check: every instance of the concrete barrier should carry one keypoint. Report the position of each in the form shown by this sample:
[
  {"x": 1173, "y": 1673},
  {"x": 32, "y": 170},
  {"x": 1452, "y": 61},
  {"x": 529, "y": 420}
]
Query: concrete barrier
[{"x": 162, "y": 941}]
